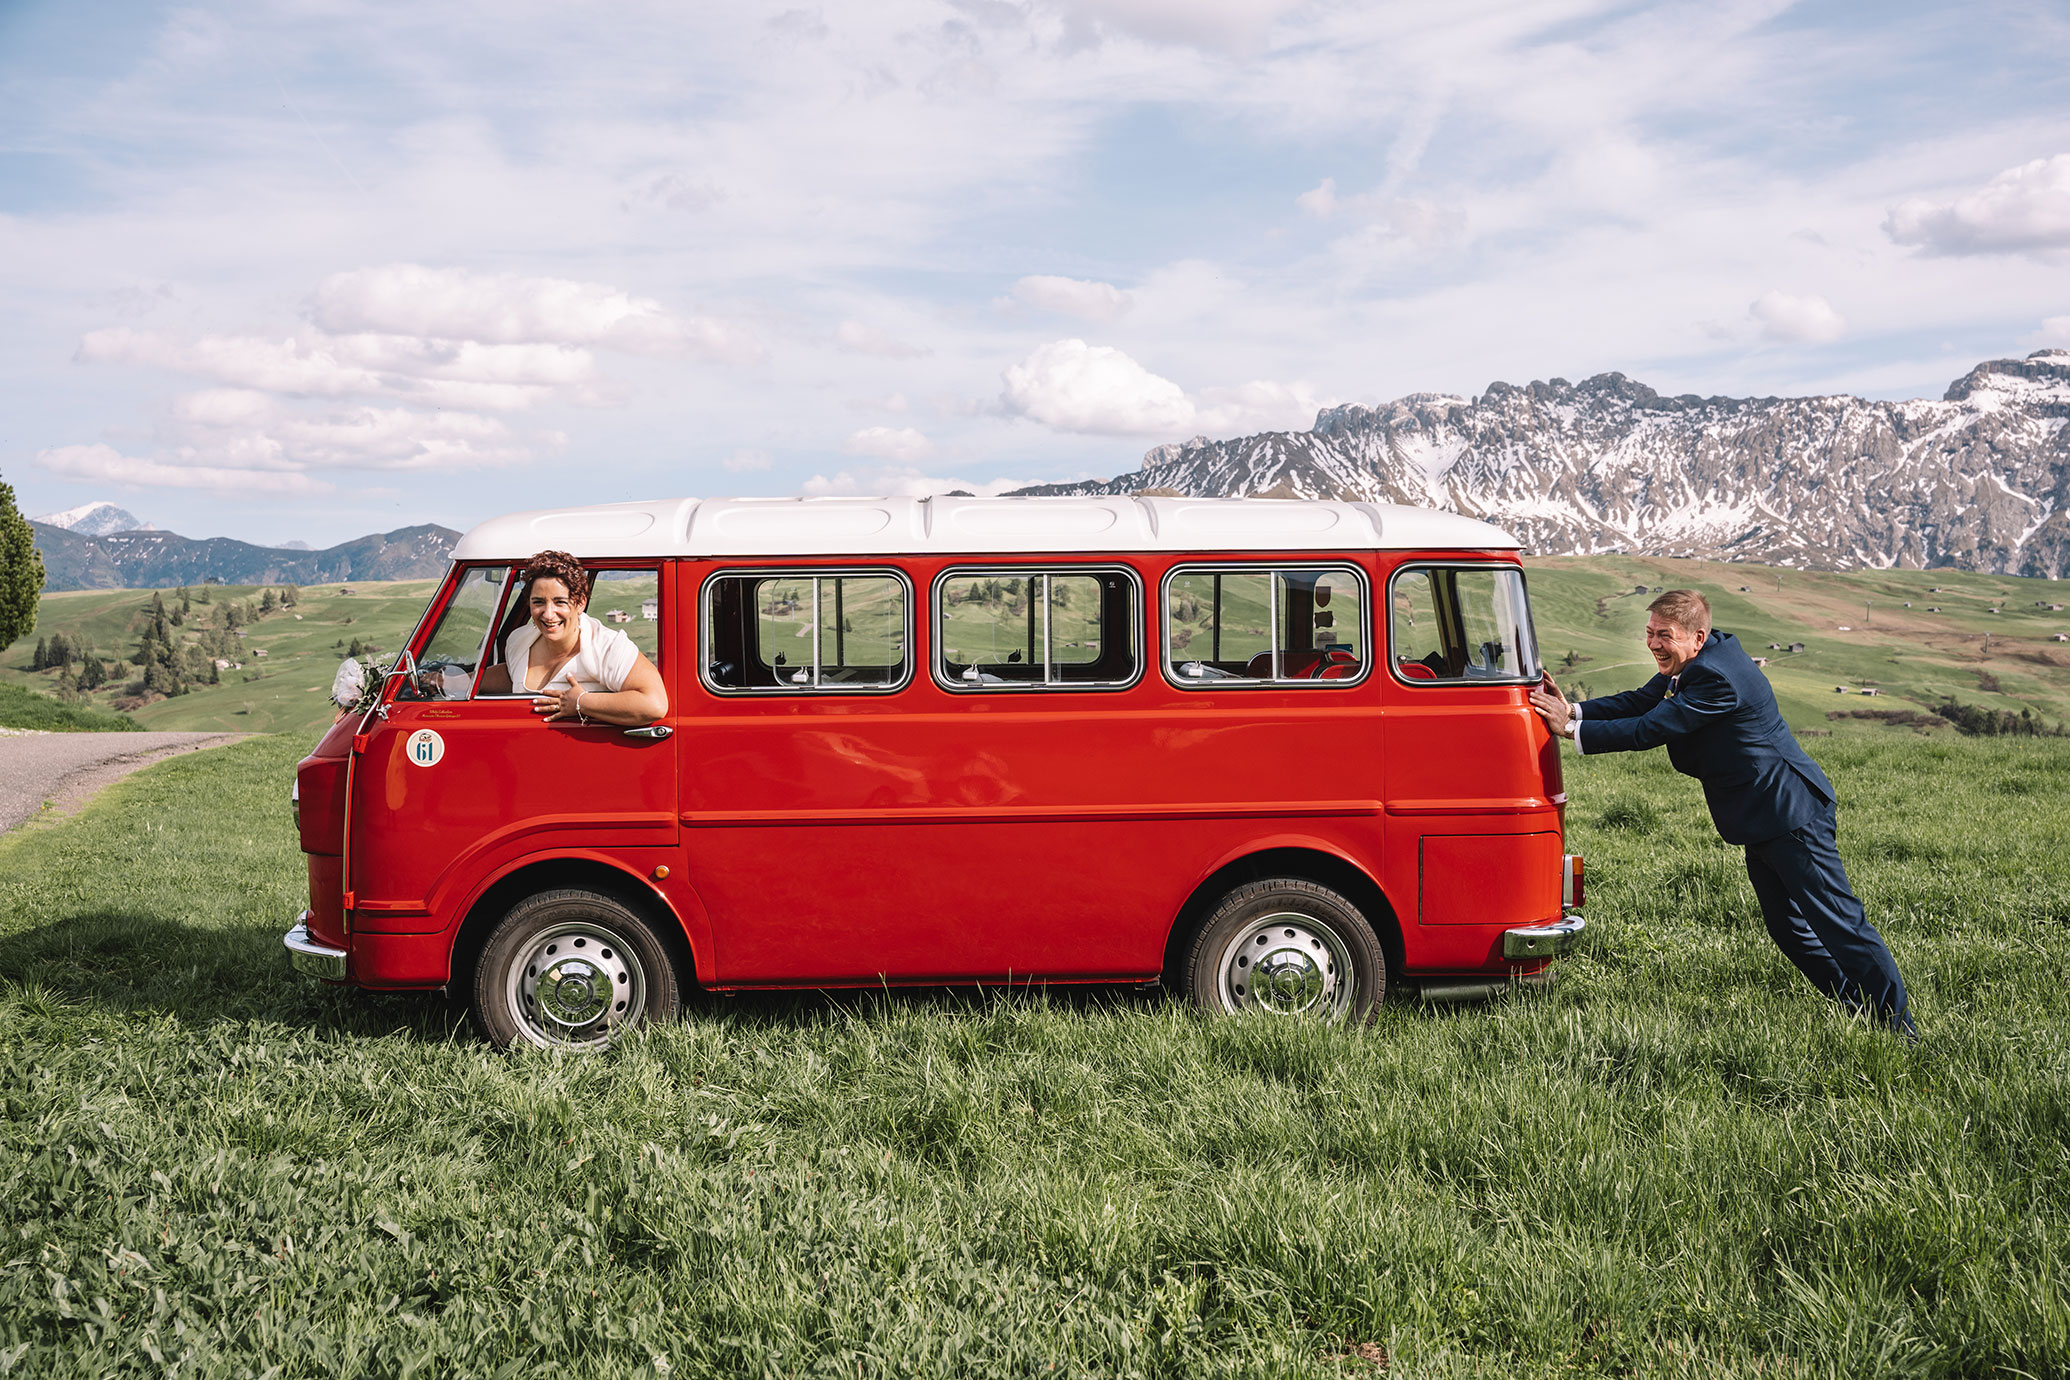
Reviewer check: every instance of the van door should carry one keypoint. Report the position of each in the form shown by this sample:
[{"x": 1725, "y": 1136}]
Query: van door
[{"x": 451, "y": 788}]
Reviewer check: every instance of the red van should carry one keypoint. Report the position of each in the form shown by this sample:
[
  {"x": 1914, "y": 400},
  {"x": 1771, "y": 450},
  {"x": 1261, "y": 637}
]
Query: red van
[{"x": 1275, "y": 755}]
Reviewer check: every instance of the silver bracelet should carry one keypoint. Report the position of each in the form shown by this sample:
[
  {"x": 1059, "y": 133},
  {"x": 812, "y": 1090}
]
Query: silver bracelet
[{"x": 579, "y": 715}]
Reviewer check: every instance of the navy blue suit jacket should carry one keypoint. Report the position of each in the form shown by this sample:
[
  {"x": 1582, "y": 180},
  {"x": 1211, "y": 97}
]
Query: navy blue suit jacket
[{"x": 1721, "y": 726}]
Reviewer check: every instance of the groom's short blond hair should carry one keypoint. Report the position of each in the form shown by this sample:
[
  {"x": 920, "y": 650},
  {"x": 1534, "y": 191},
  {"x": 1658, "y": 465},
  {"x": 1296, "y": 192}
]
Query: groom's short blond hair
[{"x": 1685, "y": 608}]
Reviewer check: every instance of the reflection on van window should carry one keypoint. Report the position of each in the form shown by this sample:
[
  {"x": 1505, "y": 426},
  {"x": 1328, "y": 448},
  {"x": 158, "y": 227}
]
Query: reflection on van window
[
  {"x": 1256, "y": 626},
  {"x": 1001, "y": 629},
  {"x": 806, "y": 632},
  {"x": 630, "y": 602},
  {"x": 446, "y": 670},
  {"x": 1461, "y": 625}
]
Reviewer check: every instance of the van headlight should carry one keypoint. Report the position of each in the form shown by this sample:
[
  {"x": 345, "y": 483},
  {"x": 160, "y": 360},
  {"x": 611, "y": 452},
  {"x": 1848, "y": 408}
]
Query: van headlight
[{"x": 295, "y": 801}]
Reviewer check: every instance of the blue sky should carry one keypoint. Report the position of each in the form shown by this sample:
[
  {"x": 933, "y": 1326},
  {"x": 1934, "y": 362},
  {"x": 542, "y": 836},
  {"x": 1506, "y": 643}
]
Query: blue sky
[{"x": 291, "y": 271}]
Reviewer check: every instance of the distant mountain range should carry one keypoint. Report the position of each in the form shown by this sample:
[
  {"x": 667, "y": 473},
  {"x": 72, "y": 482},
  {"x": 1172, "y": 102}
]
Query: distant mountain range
[
  {"x": 1977, "y": 481},
  {"x": 152, "y": 559}
]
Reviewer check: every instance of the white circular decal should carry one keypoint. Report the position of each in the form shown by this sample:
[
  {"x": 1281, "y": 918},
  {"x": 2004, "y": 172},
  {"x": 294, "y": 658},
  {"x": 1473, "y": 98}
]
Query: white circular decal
[{"x": 424, "y": 748}]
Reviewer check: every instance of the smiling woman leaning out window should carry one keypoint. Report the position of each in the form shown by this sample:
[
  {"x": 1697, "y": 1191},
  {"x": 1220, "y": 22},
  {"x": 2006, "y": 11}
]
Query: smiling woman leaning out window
[{"x": 578, "y": 668}]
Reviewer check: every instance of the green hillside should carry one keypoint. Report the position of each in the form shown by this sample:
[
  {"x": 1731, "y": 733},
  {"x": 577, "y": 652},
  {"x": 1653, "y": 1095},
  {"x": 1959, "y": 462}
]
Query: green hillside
[
  {"x": 282, "y": 691},
  {"x": 1915, "y": 656},
  {"x": 1587, "y": 606}
]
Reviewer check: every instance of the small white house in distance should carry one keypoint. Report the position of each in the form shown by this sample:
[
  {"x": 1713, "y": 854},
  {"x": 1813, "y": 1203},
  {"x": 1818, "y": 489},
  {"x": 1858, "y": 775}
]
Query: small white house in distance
[
  {"x": 1845, "y": 628},
  {"x": 2062, "y": 637},
  {"x": 650, "y": 610},
  {"x": 221, "y": 664},
  {"x": 1760, "y": 661},
  {"x": 259, "y": 651},
  {"x": 619, "y": 616},
  {"x": 1839, "y": 689},
  {"x": 1870, "y": 690}
]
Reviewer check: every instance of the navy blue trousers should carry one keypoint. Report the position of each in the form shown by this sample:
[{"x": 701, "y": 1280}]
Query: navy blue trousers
[{"x": 1815, "y": 919}]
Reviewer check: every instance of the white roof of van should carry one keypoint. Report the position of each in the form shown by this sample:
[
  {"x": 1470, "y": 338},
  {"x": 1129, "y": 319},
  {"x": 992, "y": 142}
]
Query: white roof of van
[{"x": 779, "y": 527}]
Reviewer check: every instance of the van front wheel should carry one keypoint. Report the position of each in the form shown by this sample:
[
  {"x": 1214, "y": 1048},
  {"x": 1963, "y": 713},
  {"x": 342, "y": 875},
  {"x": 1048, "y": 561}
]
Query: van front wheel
[
  {"x": 1287, "y": 947},
  {"x": 570, "y": 970}
]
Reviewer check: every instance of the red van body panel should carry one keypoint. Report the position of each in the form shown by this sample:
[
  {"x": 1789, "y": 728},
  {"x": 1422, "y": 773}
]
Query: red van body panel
[{"x": 932, "y": 835}]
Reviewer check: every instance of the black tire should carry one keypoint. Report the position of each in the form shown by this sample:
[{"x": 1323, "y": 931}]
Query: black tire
[
  {"x": 570, "y": 970},
  {"x": 1317, "y": 956}
]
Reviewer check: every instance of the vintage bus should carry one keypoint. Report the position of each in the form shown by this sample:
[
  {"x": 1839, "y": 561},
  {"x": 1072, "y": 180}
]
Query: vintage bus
[{"x": 1275, "y": 755}]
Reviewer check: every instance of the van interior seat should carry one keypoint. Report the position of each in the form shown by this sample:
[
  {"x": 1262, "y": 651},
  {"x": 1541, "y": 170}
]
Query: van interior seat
[
  {"x": 1415, "y": 670},
  {"x": 1307, "y": 664}
]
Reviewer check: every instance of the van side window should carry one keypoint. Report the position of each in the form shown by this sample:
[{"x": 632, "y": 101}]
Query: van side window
[
  {"x": 629, "y": 601},
  {"x": 1045, "y": 629},
  {"x": 1465, "y": 624},
  {"x": 454, "y": 650},
  {"x": 1257, "y": 625},
  {"x": 813, "y": 630}
]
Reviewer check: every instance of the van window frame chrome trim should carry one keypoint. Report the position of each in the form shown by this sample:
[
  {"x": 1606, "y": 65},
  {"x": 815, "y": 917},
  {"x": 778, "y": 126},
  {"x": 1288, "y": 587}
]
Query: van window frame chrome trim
[
  {"x": 937, "y": 655},
  {"x": 1253, "y": 567},
  {"x": 1530, "y": 628},
  {"x": 809, "y": 572}
]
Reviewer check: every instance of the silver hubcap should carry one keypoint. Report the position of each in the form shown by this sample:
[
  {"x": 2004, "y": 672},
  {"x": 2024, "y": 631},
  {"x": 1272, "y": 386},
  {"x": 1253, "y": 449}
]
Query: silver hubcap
[
  {"x": 574, "y": 985},
  {"x": 1289, "y": 965}
]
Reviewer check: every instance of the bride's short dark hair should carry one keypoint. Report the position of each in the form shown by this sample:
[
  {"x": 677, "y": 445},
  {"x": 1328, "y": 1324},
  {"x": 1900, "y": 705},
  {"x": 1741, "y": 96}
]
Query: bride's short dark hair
[{"x": 558, "y": 565}]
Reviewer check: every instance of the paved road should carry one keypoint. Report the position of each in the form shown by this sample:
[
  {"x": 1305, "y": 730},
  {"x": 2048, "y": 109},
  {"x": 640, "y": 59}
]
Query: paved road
[{"x": 67, "y": 768}]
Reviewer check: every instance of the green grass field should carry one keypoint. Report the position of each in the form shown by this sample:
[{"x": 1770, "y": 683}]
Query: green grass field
[{"x": 1677, "y": 1161}]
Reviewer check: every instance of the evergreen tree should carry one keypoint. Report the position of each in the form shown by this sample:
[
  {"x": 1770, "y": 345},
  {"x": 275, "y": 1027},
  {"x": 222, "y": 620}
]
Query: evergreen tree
[
  {"x": 92, "y": 675},
  {"x": 21, "y": 571},
  {"x": 267, "y": 604},
  {"x": 42, "y": 657},
  {"x": 288, "y": 596}
]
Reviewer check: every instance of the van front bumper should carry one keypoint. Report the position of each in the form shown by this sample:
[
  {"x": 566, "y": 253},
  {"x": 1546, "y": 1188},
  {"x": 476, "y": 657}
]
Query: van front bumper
[
  {"x": 1543, "y": 941},
  {"x": 305, "y": 955}
]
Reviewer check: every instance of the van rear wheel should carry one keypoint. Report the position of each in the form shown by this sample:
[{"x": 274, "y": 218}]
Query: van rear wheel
[
  {"x": 571, "y": 970},
  {"x": 1287, "y": 947}
]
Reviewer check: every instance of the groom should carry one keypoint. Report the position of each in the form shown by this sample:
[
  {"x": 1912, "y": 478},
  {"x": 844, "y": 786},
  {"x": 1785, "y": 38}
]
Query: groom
[{"x": 1713, "y": 709}]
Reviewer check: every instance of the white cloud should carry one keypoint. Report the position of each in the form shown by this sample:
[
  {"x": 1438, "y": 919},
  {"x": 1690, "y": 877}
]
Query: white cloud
[
  {"x": 222, "y": 407},
  {"x": 856, "y": 338},
  {"x": 105, "y": 464},
  {"x": 1091, "y": 301},
  {"x": 448, "y": 373},
  {"x": 398, "y": 439},
  {"x": 746, "y": 461},
  {"x": 1073, "y": 386},
  {"x": 2024, "y": 208},
  {"x": 1260, "y": 405},
  {"x": 1320, "y": 200},
  {"x": 903, "y": 443},
  {"x": 1797, "y": 320},
  {"x": 1228, "y": 26},
  {"x": 507, "y": 309},
  {"x": 894, "y": 481}
]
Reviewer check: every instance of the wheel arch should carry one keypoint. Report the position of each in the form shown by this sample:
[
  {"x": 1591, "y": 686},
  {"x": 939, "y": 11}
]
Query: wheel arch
[
  {"x": 582, "y": 871},
  {"x": 1318, "y": 865}
]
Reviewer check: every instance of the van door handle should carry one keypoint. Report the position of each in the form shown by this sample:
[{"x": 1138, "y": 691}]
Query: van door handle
[{"x": 653, "y": 731}]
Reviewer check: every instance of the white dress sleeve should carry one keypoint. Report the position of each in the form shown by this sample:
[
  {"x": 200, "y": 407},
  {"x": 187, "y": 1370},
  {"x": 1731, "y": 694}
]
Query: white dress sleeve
[{"x": 616, "y": 656}]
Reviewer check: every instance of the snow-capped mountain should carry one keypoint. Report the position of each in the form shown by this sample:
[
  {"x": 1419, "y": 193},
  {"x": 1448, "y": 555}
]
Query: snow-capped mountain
[
  {"x": 96, "y": 520},
  {"x": 1979, "y": 480}
]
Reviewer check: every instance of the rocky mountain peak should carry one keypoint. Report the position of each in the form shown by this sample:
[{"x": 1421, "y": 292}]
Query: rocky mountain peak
[{"x": 1978, "y": 480}]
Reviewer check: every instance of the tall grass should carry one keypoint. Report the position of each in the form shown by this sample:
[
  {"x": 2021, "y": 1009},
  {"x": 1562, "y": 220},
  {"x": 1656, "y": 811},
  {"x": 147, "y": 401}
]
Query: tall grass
[
  {"x": 1676, "y": 1161},
  {"x": 21, "y": 708}
]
